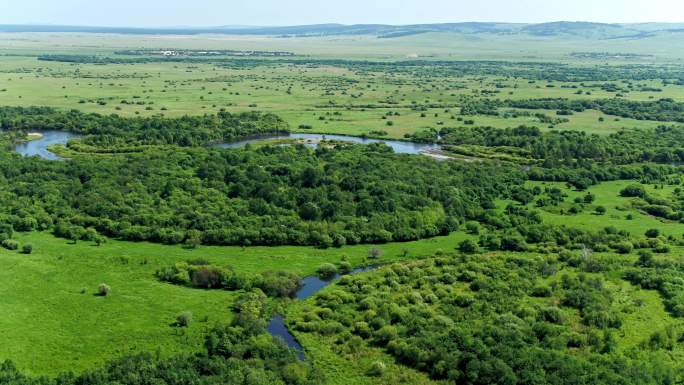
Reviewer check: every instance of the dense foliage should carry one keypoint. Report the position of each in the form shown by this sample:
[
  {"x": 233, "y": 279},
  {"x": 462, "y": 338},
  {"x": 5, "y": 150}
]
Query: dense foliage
[
  {"x": 268, "y": 196},
  {"x": 476, "y": 320},
  {"x": 114, "y": 131}
]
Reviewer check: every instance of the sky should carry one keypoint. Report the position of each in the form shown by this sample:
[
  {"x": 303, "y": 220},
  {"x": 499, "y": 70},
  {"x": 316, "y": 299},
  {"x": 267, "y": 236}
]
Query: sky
[{"x": 199, "y": 13}]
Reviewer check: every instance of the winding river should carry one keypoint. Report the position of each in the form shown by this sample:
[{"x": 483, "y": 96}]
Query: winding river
[
  {"x": 39, "y": 147},
  {"x": 312, "y": 140},
  {"x": 310, "y": 286}
]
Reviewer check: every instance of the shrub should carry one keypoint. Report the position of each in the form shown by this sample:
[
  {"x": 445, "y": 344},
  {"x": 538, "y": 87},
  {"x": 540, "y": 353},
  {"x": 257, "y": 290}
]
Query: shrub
[
  {"x": 345, "y": 267},
  {"x": 600, "y": 210},
  {"x": 472, "y": 228},
  {"x": 183, "y": 319},
  {"x": 467, "y": 246},
  {"x": 206, "y": 277},
  {"x": 327, "y": 271},
  {"x": 652, "y": 233},
  {"x": 632, "y": 191},
  {"x": 374, "y": 253},
  {"x": 27, "y": 249},
  {"x": 623, "y": 247},
  {"x": 103, "y": 290},
  {"x": 377, "y": 369},
  {"x": 10, "y": 244}
]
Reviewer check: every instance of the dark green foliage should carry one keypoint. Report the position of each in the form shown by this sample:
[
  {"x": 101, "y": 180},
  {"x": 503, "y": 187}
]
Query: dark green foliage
[
  {"x": 472, "y": 320},
  {"x": 270, "y": 196},
  {"x": 10, "y": 244},
  {"x": 119, "y": 134}
]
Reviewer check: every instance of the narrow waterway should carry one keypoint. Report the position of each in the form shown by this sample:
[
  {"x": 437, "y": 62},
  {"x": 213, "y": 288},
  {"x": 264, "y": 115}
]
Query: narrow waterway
[{"x": 310, "y": 286}]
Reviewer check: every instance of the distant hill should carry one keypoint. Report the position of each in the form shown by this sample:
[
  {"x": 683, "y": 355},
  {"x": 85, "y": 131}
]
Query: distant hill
[{"x": 561, "y": 28}]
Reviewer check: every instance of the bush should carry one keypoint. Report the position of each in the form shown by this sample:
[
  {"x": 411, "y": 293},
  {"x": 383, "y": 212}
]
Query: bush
[
  {"x": 623, "y": 247},
  {"x": 652, "y": 233},
  {"x": 10, "y": 244},
  {"x": 633, "y": 191},
  {"x": 183, "y": 319},
  {"x": 345, "y": 267},
  {"x": 467, "y": 246},
  {"x": 27, "y": 249},
  {"x": 103, "y": 290},
  {"x": 374, "y": 253},
  {"x": 377, "y": 369},
  {"x": 327, "y": 271},
  {"x": 600, "y": 210},
  {"x": 206, "y": 277},
  {"x": 472, "y": 228}
]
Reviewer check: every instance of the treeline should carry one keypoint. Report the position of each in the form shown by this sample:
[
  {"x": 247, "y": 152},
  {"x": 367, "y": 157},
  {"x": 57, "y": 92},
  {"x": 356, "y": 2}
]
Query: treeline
[
  {"x": 112, "y": 131},
  {"x": 570, "y": 147},
  {"x": 505, "y": 320},
  {"x": 271, "y": 195},
  {"x": 241, "y": 353},
  {"x": 662, "y": 110},
  {"x": 425, "y": 68}
]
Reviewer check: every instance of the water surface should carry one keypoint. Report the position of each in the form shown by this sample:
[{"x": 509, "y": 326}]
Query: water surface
[
  {"x": 400, "y": 147},
  {"x": 39, "y": 147},
  {"x": 310, "y": 286}
]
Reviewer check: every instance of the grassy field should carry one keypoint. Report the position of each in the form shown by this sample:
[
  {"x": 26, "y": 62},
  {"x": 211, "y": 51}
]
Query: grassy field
[
  {"x": 618, "y": 208},
  {"x": 302, "y": 95},
  {"x": 53, "y": 320},
  {"x": 661, "y": 47}
]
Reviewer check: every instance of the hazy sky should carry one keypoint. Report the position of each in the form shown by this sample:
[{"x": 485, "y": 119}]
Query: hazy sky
[{"x": 292, "y": 12}]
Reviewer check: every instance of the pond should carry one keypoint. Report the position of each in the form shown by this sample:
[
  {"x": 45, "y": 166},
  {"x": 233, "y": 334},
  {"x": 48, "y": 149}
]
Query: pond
[
  {"x": 400, "y": 147},
  {"x": 310, "y": 286},
  {"x": 39, "y": 147}
]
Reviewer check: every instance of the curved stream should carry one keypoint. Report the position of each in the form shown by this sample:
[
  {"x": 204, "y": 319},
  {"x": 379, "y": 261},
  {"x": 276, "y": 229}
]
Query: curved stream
[
  {"x": 39, "y": 147},
  {"x": 312, "y": 140},
  {"x": 310, "y": 286}
]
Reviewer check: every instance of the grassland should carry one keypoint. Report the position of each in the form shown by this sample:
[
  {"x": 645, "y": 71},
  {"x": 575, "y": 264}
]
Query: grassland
[
  {"x": 302, "y": 95},
  {"x": 54, "y": 321},
  {"x": 618, "y": 209}
]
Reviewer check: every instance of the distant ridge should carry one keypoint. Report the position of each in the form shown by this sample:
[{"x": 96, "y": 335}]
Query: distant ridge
[{"x": 560, "y": 28}]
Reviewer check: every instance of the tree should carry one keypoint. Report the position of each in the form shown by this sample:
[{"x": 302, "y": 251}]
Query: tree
[{"x": 600, "y": 210}]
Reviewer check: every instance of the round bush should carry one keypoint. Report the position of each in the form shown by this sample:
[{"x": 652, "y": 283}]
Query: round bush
[
  {"x": 183, "y": 319},
  {"x": 103, "y": 290},
  {"x": 327, "y": 271}
]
